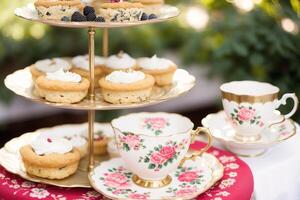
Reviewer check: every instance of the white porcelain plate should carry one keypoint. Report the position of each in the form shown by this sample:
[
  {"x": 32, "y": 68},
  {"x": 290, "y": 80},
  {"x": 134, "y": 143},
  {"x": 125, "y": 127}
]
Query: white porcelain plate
[
  {"x": 222, "y": 130},
  {"x": 115, "y": 182}
]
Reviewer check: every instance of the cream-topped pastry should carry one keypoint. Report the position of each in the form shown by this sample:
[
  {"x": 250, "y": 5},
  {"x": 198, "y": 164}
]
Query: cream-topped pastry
[
  {"x": 125, "y": 77},
  {"x": 121, "y": 87},
  {"x": 44, "y": 146},
  {"x": 160, "y": 68},
  {"x": 121, "y": 61},
  {"x": 52, "y": 158},
  {"x": 42, "y": 67},
  {"x": 61, "y": 75},
  {"x": 62, "y": 87},
  {"x": 80, "y": 65},
  {"x": 57, "y": 9}
]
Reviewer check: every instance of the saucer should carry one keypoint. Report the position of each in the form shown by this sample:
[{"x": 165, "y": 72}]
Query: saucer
[
  {"x": 222, "y": 130},
  {"x": 195, "y": 177}
]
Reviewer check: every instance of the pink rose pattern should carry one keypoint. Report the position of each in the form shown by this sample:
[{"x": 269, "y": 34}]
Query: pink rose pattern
[
  {"x": 243, "y": 114},
  {"x": 130, "y": 141},
  {"x": 162, "y": 155},
  {"x": 156, "y": 124}
]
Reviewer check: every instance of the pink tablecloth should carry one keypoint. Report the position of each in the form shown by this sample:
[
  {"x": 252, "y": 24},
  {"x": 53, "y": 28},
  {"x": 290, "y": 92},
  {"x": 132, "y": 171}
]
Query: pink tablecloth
[{"x": 237, "y": 183}]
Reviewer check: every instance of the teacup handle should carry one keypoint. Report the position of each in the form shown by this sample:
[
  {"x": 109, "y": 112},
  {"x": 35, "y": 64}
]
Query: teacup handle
[
  {"x": 282, "y": 101},
  {"x": 198, "y": 131}
]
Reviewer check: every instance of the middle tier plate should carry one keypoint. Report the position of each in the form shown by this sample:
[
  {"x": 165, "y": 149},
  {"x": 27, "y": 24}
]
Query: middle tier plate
[{"x": 21, "y": 83}]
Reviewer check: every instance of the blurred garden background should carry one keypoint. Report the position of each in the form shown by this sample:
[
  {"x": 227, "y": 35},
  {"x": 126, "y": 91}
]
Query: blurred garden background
[{"x": 229, "y": 39}]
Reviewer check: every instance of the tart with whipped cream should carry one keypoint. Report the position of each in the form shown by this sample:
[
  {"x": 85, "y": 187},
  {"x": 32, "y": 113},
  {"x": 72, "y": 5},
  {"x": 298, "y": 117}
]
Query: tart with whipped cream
[
  {"x": 62, "y": 87},
  {"x": 121, "y": 11},
  {"x": 81, "y": 66},
  {"x": 160, "y": 68},
  {"x": 120, "y": 61},
  {"x": 123, "y": 87},
  {"x": 51, "y": 158},
  {"x": 57, "y": 9},
  {"x": 42, "y": 67}
]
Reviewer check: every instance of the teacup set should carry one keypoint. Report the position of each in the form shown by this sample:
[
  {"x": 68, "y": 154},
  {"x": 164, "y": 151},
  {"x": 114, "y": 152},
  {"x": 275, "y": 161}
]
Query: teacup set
[
  {"x": 250, "y": 122},
  {"x": 154, "y": 162}
]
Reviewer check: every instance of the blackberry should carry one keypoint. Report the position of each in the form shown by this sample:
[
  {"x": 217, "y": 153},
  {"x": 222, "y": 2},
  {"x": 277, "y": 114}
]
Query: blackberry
[
  {"x": 91, "y": 17},
  {"x": 144, "y": 17},
  {"x": 152, "y": 16},
  {"x": 78, "y": 17},
  {"x": 65, "y": 19},
  {"x": 99, "y": 19},
  {"x": 87, "y": 10}
]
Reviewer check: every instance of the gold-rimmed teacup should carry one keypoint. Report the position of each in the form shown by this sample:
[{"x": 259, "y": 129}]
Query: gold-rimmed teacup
[
  {"x": 252, "y": 106},
  {"x": 153, "y": 145}
]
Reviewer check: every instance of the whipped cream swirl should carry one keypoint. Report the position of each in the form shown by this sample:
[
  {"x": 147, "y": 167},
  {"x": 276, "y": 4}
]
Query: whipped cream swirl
[
  {"x": 47, "y": 145},
  {"x": 125, "y": 77},
  {"x": 52, "y": 65},
  {"x": 120, "y": 61},
  {"x": 82, "y": 62},
  {"x": 77, "y": 140},
  {"x": 154, "y": 63},
  {"x": 61, "y": 75}
]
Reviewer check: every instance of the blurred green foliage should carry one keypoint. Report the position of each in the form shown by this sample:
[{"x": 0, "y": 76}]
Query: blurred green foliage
[{"x": 235, "y": 44}]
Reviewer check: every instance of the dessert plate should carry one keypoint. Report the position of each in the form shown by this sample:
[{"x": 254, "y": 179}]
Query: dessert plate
[
  {"x": 10, "y": 158},
  {"x": 21, "y": 83},
  {"x": 195, "y": 177},
  {"x": 165, "y": 12},
  {"x": 222, "y": 130}
]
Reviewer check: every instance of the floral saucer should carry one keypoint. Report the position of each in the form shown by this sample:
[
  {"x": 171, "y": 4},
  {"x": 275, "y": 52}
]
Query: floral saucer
[
  {"x": 222, "y": 130},
  {"x": 195, "y": 177}
]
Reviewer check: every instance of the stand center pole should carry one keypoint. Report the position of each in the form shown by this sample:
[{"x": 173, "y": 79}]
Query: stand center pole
[{"x": 91, "y": 113}]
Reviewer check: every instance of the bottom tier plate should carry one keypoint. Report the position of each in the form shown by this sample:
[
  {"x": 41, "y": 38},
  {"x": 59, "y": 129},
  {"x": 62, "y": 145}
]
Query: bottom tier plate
[{"x": 10, "y": 158}]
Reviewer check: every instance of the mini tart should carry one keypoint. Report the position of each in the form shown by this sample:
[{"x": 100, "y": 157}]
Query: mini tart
[
  {"x": 80, "y": 143},
  {"x": 163, "y": 77},
  {"x": 50, "y": 166},
  {"x": 124, "y": 93},
  {"x": 35, "y": 72},
  {"x": 120, "y": 61},
  {"x": 56, "y": 9},
  {"x": 121, "y": 12},
  {"x": 86, "y": 74},
  {"x": 100, "y": 145},
  {"x": 61, "y": 91}
]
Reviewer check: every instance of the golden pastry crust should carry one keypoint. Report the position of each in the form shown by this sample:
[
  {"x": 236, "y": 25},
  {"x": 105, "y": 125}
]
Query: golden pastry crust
[
  {"x": 56, "y": 85},
  {"x": 100, "y": 146},
  {"x": 47, "y": 3},
  {"x": 84, "y": 73},
  {"x": 53, "y": 160},
  {"x": 172, "y": 68},
  {"x": 122, "y": 5},
  {"x": 146, "y": 83}
]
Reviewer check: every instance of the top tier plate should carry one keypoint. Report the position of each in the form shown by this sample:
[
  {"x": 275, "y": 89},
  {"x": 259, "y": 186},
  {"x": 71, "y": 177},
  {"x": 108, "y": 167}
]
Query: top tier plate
[{"x": 29, "y": 12}]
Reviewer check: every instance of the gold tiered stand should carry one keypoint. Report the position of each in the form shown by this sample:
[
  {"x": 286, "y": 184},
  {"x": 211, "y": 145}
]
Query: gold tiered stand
[{"x": 94, "y": 101}]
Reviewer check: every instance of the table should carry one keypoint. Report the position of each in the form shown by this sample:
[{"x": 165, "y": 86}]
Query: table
[
  {"x": 237, "y": 183},
  {"x": 277, "y": 172}
]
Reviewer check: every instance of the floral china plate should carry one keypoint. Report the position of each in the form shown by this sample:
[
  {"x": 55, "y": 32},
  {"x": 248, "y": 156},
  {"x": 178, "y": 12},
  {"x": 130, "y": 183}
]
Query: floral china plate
[
  {"x": 195, "y": 177},
  {"x": 222, "y": 130}
]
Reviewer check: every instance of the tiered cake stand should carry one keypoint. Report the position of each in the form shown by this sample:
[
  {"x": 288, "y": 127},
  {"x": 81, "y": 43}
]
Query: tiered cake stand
[{"x": 20, "y": 82}]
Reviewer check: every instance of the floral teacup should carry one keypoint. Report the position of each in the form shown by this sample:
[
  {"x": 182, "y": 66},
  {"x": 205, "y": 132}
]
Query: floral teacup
[
  {"x": 152, "y": 145},
  {"x": 251, "y": 107}
]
